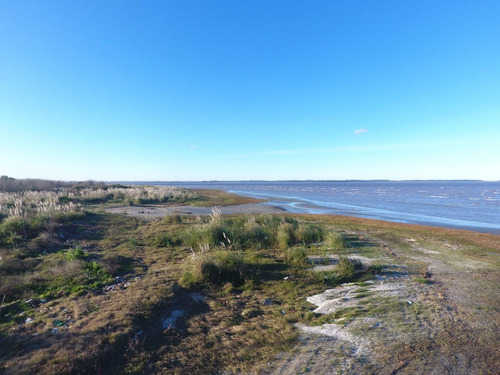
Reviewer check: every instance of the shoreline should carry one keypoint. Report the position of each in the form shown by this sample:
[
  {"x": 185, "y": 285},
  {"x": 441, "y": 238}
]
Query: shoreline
[{"x": 156, "y": 211}]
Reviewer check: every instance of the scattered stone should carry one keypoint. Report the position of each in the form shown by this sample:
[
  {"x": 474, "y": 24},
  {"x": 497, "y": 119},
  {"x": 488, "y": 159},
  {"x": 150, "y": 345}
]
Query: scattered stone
[
  {"x": 29, "y": 320},
  {"x": 267, "y": 302},
  {"x": 54, "y": 330}
]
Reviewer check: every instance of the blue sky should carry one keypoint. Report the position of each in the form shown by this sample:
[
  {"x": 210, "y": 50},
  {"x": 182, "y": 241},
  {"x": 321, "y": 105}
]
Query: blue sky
[{"x": 200, "y": 90}]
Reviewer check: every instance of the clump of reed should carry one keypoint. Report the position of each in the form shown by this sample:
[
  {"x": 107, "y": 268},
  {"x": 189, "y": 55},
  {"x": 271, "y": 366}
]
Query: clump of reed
[
  {"x": 66, "y": 200},
  {"x": 213, "y": 268}
]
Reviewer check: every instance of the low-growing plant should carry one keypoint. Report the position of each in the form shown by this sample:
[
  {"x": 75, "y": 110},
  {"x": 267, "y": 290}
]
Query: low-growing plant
[
  {"x": 76, "y": 253},
  {"x": 173, "y": 219},
  {"x": 163, "y": 240}
]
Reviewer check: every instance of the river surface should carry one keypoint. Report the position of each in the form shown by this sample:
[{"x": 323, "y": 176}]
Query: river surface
[{"x": 473, "y": 205}]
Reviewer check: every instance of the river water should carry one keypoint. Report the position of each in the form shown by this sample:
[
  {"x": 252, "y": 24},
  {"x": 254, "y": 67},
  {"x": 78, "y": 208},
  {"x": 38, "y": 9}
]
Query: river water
[{"x": 473, "y": 205}]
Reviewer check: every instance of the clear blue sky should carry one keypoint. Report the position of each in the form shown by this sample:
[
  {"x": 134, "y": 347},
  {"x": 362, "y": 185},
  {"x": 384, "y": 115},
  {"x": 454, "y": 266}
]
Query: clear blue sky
[{"x": 197, "y": 90}]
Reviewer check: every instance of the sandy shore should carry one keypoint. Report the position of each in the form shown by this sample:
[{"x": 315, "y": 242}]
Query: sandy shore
[{"x": 160, "y": 211}]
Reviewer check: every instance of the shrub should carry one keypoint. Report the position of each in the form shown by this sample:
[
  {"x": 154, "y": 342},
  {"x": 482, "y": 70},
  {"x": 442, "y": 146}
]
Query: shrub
[
  {"x": 296, "y": 256},
  {"x": 94, "y": 270},
  {"x": 309, "y": 233},
  {"x": 284, "y": 236},
  {"x": 214, "y": 270},
  {"x": 345, "y": 269},
  {"x": 16, "y": 226},
  {"x": 334, "y": 241},
  {"x": 73, "y": 254}
]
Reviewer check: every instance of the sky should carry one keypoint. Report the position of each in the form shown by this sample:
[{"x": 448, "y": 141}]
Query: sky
[{"x": 245, "y": 90}]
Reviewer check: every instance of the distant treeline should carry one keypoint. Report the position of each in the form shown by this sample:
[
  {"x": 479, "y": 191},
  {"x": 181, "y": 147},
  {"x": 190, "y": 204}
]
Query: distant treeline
[{"x": 9, "y": 184}]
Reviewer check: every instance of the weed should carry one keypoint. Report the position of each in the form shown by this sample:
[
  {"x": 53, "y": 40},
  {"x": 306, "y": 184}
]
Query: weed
[{"x": 422, "y": 280}]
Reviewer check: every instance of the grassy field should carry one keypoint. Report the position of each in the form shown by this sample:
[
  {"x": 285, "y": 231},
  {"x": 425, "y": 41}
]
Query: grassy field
[{"x": 83, "y": 291}]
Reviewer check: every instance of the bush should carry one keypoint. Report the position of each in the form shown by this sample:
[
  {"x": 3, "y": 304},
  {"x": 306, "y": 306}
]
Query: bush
[
  {"x": 214, "y": 270},
  {"x": 345, "y": 268},
  {"x": 73, "y": 254},
  {"x": 296, "y": 256},
  {"x": 334, "y": 241},
  {"x": 309, "y": 233},
  {"x": 16, "y": 227},
  {"x": 284, "y": 236}
]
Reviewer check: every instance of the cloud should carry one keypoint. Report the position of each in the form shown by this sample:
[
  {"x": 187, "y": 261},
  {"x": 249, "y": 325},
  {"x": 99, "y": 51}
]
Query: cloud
[{"x": 360, "y": 131}]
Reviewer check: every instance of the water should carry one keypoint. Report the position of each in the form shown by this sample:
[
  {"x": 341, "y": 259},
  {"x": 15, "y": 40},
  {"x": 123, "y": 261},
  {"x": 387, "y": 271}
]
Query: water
[{"x": 473, "y": 205}]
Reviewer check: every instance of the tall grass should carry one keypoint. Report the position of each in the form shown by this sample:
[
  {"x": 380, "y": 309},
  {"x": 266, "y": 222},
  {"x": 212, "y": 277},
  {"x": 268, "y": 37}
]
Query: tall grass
[
  {"x": 245, "y": 232},
  {"x": 214, "y": 268},
  {"x": 65, "y": 200}
]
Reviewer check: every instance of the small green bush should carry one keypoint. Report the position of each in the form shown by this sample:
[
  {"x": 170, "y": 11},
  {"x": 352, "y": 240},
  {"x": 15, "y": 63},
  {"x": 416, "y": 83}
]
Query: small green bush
[
  {"x": 309, "y": 233},
  {"x": 284, "y": 236},
  {"x": 334, "y": 241},
  {"x": 16, "y": 226},
  {"x": 214, "y": 270},
  {"x": 296, "y": 256},
  {"x": 76, "y": 253},
  {"x": 345, "y": 268}
]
